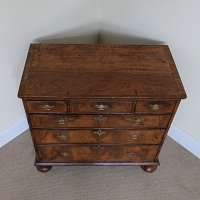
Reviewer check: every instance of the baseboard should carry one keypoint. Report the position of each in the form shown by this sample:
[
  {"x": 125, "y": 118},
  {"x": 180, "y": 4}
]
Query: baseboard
[
  {"x": 185, "y": 140},
  {"x": 12, "y": 132}
]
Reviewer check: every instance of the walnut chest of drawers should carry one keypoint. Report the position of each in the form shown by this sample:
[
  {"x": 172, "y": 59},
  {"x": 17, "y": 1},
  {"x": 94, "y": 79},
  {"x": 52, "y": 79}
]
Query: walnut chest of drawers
[{"x": 99, "y": 104}]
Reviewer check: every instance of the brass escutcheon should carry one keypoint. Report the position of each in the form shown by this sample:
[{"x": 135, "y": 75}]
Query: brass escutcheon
[
  {"x": 99, "y": 132},
  {"x": 98, "y": 147},
  {"x": 100, "y": 118}
]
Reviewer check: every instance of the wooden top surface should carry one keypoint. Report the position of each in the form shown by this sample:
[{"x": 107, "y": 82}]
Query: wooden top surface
[{"x": 61, "y": 71}]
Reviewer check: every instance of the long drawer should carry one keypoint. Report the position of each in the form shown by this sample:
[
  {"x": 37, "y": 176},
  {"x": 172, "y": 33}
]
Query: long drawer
[
  {"x": 70, "y": 121},
  {"x": 97, "y": 153},
  {"x": 101, "y": 136}
]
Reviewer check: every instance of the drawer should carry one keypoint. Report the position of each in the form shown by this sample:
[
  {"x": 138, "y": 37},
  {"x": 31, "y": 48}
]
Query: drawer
[
  {"x": 100, "y": 106},
  {"x": 97, "y": 153},
  {"x": 155, "y": 106},
  {"x": 46, "y": 106},
  {"x": 101, "y": 136},
  {"x": 113, "y": 121}
]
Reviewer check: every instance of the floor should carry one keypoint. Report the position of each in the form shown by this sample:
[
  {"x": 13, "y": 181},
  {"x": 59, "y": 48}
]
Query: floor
[{"x": 178, "y": 177}]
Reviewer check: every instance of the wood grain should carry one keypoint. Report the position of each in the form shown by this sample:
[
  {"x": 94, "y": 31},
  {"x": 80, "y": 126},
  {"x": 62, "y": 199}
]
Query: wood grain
[
  {"x": 96, "y": 153},
  {"x": 99, "y": 104},
  {"x": 115, "y": 121},
  {"x": 108, "y": 106},
  {"x": 98, "y": 136},
  {"x": 67, "y": 71}
]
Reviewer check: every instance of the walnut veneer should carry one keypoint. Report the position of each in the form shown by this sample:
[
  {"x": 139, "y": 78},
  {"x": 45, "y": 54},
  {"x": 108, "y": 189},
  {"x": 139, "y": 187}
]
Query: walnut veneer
[{"x": 99, "y": 104}]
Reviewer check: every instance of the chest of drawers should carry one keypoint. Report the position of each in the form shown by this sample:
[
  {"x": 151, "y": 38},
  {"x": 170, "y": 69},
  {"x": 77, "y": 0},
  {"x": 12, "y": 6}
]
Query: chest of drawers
[{"x": 99, "y": 104}]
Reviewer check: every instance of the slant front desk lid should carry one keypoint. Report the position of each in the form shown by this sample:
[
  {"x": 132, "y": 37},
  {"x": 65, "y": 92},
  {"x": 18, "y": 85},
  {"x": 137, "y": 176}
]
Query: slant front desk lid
[{"x": 61, "y": 71}]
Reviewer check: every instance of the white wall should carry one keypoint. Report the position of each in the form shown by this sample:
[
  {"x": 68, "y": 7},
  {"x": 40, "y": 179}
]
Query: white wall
[
  {"x": 175, "y": 23},
  {"x": 24, "y": 21}
]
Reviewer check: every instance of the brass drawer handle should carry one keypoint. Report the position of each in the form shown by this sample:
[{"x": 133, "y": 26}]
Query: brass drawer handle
[
  {"x": 62, "y": 121},
  {"x": 63, "y": 137},
  {"x": 134, "y": 137},
  {"x": 47, "y": 107},
  {"x": 156, "y": 106},
  {"x": 66, "y": 120},
  {"x": 99, "y": 132},
  {"x": 135, "y": 120},
  {"x": 100, "y": 118},
  {"x": 130, "y": 154},
  {"x": 64, "y": 154},
  {"x": 101, "y": 107}
]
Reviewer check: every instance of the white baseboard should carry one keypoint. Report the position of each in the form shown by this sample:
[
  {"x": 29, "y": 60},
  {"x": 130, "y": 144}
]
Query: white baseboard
[
  {"x": 185, "y": 140},
  {"x": 177, "y": 134},
  {"x": 12, "y": 132}
]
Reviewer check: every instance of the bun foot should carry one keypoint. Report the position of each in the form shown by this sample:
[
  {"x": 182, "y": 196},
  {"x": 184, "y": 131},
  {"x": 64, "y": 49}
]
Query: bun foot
[
  {"x": 149, "y": 168},
  {"x": 43, "y": 168}
]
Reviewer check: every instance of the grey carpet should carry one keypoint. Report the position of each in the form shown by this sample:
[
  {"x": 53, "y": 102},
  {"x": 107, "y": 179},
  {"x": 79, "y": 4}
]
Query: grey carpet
[{"x": 178, "y": 177}]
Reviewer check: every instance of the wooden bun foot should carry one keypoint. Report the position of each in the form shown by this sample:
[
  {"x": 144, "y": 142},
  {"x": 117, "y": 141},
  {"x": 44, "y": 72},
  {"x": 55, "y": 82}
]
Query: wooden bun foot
[
  {"x": 43, "y": 168},
  {"x": 149, "y": 168}
]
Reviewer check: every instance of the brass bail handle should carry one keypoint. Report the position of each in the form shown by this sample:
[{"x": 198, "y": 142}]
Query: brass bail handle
[
  {"x": 101, "y": 107},
  {"x": 135, "y": 120},
  {"x": 65, "y": 120},
  {"x": 156, "y": 106},
  {"x": 64, "y": 154},
  {"x": 46, "y": 107},
  {"x": 138, "y": 121},
  {"x": 62, "y": 121},
  {"x": 130, "y": 154},
  {"x": 134, "y": 137},
  {"x": 63, "y": 137}
]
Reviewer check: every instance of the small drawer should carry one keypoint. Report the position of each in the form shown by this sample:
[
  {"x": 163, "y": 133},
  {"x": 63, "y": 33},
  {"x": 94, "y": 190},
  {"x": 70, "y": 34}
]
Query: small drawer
[
  {"x": 100, "y": 106},
  {"x": 101, "y": 136},
  {"x": 155, "y": 106},
  {"x": 110, "y": 121},
  {"x": 46, "y": 106},
  {"x": 97, "y": 153}
]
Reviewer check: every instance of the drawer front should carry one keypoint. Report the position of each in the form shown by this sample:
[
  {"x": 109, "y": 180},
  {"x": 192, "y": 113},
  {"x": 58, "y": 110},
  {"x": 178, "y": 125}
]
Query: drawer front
[
  {"x": 96, "y": 153},
  {"x": 101, "y": 136},
  {"x": 100, "y": 106},
  {"x": 155, "y": 106},
  {"x": 113, "y": 121},
  {"x": 46, "y": 106}
]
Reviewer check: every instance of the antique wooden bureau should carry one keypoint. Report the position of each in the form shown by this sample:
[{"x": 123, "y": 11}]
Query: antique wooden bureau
[{"x": 99, "y": 104}]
